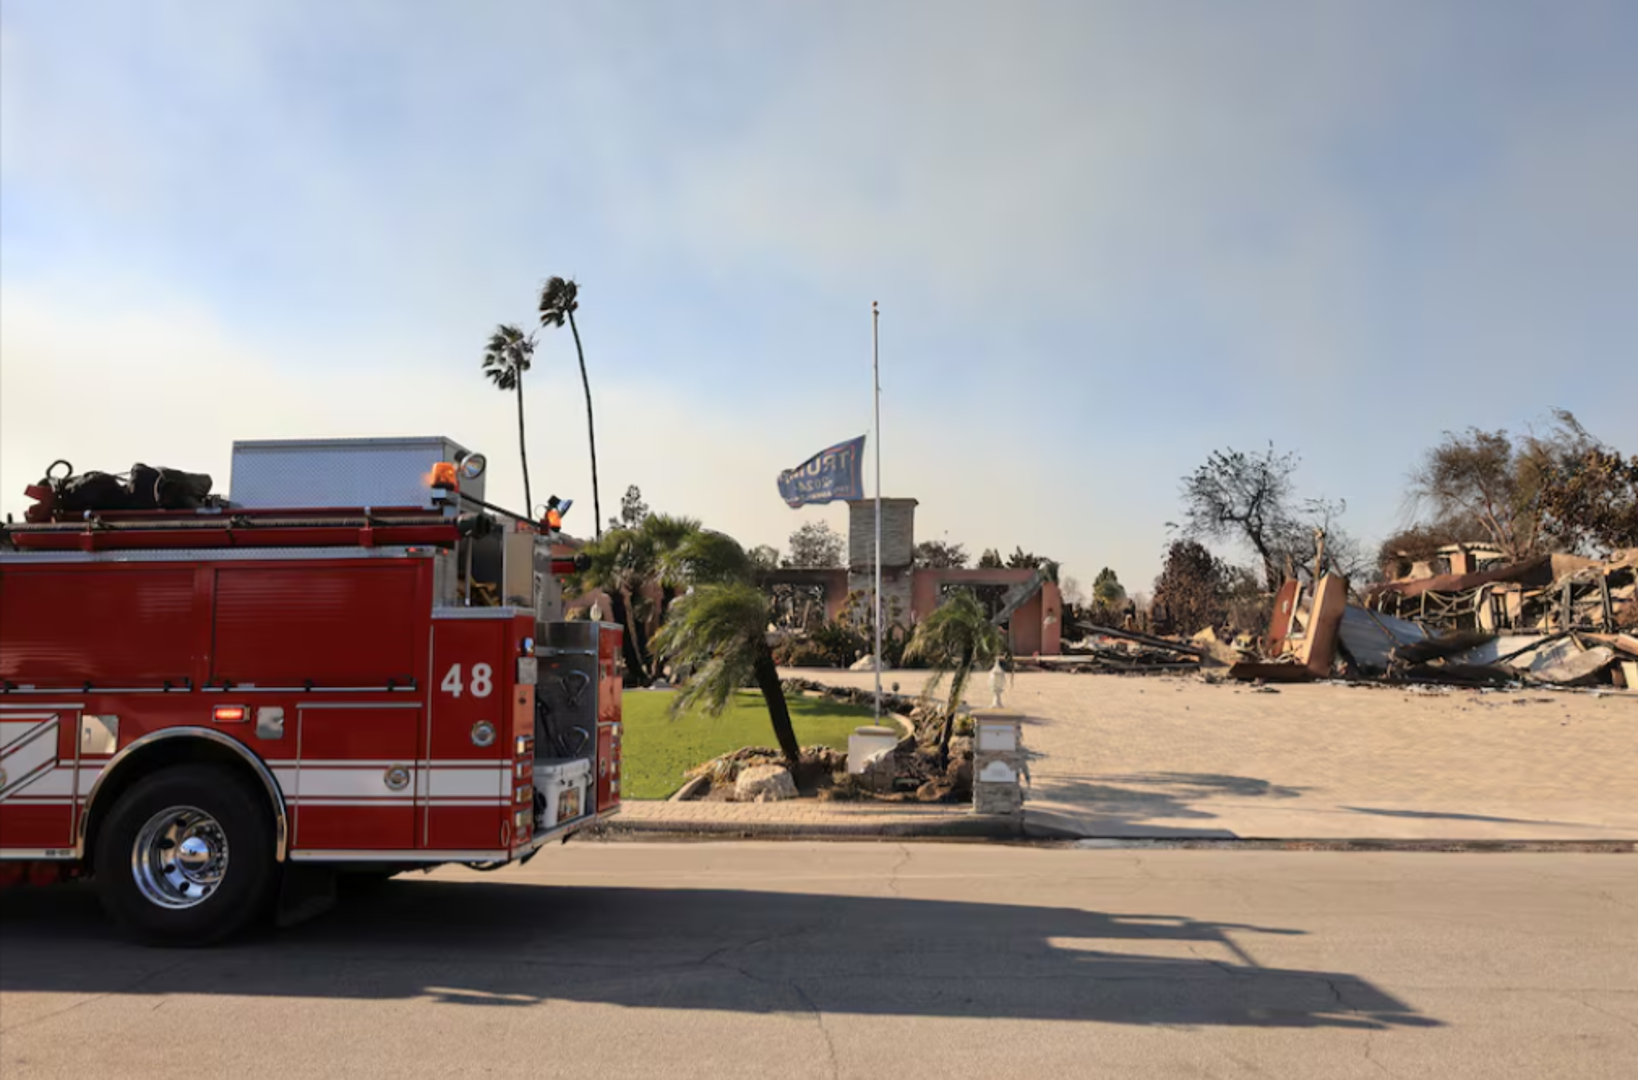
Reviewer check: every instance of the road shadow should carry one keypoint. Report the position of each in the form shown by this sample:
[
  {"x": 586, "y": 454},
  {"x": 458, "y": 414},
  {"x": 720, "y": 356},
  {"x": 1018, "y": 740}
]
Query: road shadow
[
  {"x": 1127, "y": 804},
  {"x": 489, "y": 943},
  {"x": 1435, "y": 815}
]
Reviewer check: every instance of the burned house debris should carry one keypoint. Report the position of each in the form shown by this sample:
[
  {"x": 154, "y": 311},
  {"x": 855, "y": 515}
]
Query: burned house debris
[
  {"x": 1546, "y": 593},
  {"x": 1106, "y": 648},
  {"x": 1554, "y": 620}
]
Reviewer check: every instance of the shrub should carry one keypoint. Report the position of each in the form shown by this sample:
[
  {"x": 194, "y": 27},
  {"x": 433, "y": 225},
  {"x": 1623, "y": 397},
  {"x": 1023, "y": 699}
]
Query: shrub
[{"x": 801, "y": 652}]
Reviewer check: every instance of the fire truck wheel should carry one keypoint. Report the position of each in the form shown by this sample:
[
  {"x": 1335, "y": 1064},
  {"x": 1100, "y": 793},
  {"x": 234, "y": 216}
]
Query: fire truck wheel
[{"x": 186, "y": 856}]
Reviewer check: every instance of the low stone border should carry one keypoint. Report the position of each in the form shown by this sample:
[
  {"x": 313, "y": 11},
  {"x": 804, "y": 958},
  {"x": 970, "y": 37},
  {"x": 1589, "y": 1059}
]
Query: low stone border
[
  {"x": 690, "y": 789},
  {"x": 953, "y": 826},
  {"x": 1007, "y": 832}
]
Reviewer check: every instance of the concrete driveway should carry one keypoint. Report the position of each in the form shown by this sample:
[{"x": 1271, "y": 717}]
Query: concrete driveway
[{"x": 1175, "y": 756}]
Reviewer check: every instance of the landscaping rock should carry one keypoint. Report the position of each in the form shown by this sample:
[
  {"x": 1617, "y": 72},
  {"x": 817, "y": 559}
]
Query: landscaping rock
[
  {"x": 935, "y": 790},
  {"x": 756, "y": 781},
  {"x": 824, "y": 758},
  {"x": 878, "y": 771},
  {"x": 694, "y": 789}
]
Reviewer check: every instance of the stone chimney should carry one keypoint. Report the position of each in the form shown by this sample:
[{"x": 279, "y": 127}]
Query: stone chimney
[{"x": 898, "y": 547}]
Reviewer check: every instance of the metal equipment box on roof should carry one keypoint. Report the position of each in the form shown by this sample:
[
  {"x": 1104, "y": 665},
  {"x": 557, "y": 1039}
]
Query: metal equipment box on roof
[{"x": 318, "y": 473}]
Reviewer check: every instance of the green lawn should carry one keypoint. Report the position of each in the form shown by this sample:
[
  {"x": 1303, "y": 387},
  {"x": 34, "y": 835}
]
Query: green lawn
[{"x": 656, "y": 750}]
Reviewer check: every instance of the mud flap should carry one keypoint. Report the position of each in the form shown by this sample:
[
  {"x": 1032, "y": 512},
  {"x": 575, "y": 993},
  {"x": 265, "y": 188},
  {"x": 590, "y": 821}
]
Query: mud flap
[{"x": 305, "y": 892}]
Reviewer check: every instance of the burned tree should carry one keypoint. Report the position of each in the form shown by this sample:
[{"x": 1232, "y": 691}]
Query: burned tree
[
  {"x": 1244, "y": 497},
  {"x": 1190, "y": 593},
  {"x": 1249, "y": 498},
  {"x": 1590, "y": 503},
  {"x": 1503, "y": 486}
]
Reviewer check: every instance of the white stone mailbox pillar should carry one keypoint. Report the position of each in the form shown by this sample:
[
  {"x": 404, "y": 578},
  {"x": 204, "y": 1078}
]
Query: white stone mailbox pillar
[{"x": 998, "y": 762}]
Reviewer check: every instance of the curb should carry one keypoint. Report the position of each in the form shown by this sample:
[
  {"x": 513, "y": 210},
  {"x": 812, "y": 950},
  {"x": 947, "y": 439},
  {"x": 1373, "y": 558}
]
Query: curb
[
  {"x": 960, "y": 828},
  {"x": 951, "y": 827},
  {"x": 1585, "y": 847}
]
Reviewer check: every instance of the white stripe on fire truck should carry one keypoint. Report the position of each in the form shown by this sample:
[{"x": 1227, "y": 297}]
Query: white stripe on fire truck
[
  {"x": 493, "y": 782},
  {"x": 370, "y": 780},
  {"x": 346, "y": 782},
  {"x": 15, "y": 731},
  {"x": 383, "y": 763},
  {"x": 57, "y": 783},
  {"x": 398, "y": 800},
  {"x": 28, "y": 755}
]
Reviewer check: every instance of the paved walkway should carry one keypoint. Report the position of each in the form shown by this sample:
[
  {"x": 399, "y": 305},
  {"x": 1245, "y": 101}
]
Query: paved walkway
[{"x": 1174, "y": 756}]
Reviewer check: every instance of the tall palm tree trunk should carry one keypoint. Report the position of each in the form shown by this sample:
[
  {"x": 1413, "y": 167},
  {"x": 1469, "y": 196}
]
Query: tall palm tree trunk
[
  {"x": 638, "y": 643},
  {"x": 523, "y": 454},
  {"x": 591, "y": 430},
  {"x": 773, "y": 692},
  {"x": 958, "y": 685},
  {"x": 618, "y": 613}
]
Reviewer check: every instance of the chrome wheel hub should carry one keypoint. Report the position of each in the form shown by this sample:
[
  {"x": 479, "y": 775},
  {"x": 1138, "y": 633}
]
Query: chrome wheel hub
[{"x": 179, "y": 858}]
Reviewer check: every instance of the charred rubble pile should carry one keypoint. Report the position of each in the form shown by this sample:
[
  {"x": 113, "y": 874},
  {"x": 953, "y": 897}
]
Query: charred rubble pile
[
  {"x": 1128, "y": 652},
  {"x": 1554, "y": 620}
]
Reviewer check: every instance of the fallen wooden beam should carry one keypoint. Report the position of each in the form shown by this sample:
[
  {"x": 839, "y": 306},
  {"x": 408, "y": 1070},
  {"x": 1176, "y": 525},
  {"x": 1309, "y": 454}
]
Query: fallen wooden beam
[
  {"x": 1250, "y": 672},
  {"x": 1144, "y": 639}
]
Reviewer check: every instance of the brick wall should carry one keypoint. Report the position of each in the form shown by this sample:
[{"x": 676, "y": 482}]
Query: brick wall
[{"x": 898, "y": 533}]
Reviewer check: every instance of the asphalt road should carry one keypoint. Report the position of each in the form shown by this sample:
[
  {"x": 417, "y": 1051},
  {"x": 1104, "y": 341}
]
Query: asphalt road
[{"x": 869, "y": 960}]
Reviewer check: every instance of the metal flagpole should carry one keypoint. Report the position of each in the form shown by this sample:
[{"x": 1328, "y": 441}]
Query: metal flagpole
[{"x": 876, "y": 378}]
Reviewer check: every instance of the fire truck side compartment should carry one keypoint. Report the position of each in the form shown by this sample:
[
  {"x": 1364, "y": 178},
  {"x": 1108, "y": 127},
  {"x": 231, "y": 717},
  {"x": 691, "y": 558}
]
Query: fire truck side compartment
[
  {"x": 65, "y": 625},
  {"x": 299, "y": 625}
]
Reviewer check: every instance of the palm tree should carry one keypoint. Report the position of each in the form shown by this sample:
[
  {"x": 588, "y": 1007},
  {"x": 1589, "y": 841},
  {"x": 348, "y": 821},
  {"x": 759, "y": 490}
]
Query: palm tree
[
  {"x": 706, "y": 557},
  {"x": 668, "y": 551},
  {"x": 669, "y": 536},
  {"x": 955, "y": 639},
  {"x": 620, "y": 562},
  {"x": 720, "y": 630},
  {"x": 505, "y": 359},
  {"x": 559, "y": 298}
]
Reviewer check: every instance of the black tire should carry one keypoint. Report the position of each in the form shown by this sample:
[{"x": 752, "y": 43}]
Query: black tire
[{"x": 222, "y": 809}]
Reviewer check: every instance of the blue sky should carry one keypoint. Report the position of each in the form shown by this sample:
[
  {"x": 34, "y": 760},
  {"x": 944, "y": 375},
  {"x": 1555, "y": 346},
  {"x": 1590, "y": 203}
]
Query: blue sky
[{"x": 1107, "y": 238}]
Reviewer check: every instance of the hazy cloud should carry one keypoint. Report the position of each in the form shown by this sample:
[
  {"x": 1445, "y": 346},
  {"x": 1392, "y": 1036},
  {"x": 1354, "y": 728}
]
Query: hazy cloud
[{"x": 1107, "y": 238}]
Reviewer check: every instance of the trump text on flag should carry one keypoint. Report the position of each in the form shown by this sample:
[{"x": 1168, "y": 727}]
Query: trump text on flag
[{"x": 836, "y": 472}]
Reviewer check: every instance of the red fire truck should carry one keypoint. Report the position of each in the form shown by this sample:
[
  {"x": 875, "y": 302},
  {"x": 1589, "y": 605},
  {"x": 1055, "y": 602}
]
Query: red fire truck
[{"x": 352, "y": 665}]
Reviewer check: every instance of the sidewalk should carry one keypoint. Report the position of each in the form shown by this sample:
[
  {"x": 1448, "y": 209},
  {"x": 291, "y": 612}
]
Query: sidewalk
[{"x": 808, "y": 819}]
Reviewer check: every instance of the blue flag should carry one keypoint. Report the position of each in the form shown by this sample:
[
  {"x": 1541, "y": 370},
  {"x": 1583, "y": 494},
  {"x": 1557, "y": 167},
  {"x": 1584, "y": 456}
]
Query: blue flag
[{"x": 837, "y": 472}]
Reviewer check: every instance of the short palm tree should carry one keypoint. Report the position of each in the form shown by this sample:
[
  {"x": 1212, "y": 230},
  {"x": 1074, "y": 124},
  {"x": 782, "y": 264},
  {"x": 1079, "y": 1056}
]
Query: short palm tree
[
  {"x": 721, "y": 632},
  {"x": 667, "y": 534},
  {"x": 615, "y": 561},
  {"x": 955, "y": 639},
  {"x": 505, "y": 359},
  {"x": 706, "y": 557},
  {"x": 559, "y": 299}
]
